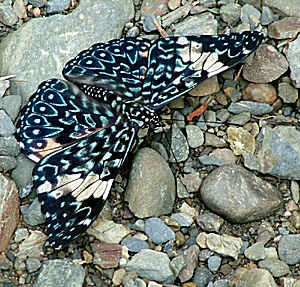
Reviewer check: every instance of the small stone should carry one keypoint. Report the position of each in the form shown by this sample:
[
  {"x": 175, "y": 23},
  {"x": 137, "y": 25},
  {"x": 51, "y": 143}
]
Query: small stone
[
  {"x": 159, "y": 7},
  {"x": 213, "y": 140},
  {"x": 134, "y": 244},
  {"x": 287, "y": 27},
  {"x": 250, "y": 161},
  {"x": 183, "y": 219},
  {"x": 151, "y": 186},
  {"x": 20, "y": 9},
  {"x": 240, "y": 140},
  {"x": 256, "y": 277},
  {"x": 57, "y": 6},
  {"x": 21, "y": 234},
  {"x": 106, "y": 255},
  {"x": 148, "y": 24},
  {"x": 9, "y": 210},
  {"x": 37, "y": 3},
  {"x": 256, "y": 252},
  {"x": 7, "y": 127},
  {"x": 60, "y": 273},
  {"x": 7, "y": 163},
  {"x": 173, "y": 4},
  {"x": 9, "y": 146},
  {"x": 218, "y": 157},
  {"x": 295, "y": 219},
  {"x": 287, "y": 93},
  {"x": 175, "y": 16},
  {"x": 7, "y": 15},
  {"x": 33, "y": 214},
  {"x": 157, "y": 231},
  {"x": 192, "y": 181},
  {"x": 295, "y": 191},
  {"x": 208, "y": 87},
  {"x": 214, "y": 263},
  {"x": 152, "y": 265},
  {"x": 178, "y": 264},
  {"x": 289, "y": 249},
  {"x": 202, "y": 276},
  {"x": 265, "y": 232},
  {"x": 88, "y": 257},
  {"x": 242, "y": 197},
  {"x": 276, "y": 267},
  {"x": 224, "y": 244},
  {"x": 194, "y": 136},
  {"x": 254, "y": 108},
  {"x": 261, "y": 93},
  {"x": 108, "y": 231},
  {"x": 133, "y": 32},
  {"x": 267, "y": 16},
  {"x": 185, "y": 208},
  {"x": 293, "y": 56},
  {"x": 181, "y": 189},
  {"x": 191, "y": 259},
  {"x": 268, "y": 65},
  {"x": 118, "y": 276},
  {"x": 286, "y": 7},
  {"x": 250, "y": 15},
  {"x": 210, "y": 222},
  {"x": 4, "y": 85},
  {"x": 179, "y": 145},
  {"x": 201, "y": 241},
  {"x": 230, "y": 13},
  {"x": 33, "y": 264},
  {"x": 139, "y": 225}
]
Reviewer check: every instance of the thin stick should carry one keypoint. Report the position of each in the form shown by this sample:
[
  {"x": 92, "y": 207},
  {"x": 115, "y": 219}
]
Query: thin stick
[
  {"x": 239, "y": 73},
  {"x": 7, "y": 77},
  {"x": 159, "y": 28}
]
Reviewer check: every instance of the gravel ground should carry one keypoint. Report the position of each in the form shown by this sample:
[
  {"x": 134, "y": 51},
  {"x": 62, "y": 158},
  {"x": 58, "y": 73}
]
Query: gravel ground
[{"x": 224, "y": 213}]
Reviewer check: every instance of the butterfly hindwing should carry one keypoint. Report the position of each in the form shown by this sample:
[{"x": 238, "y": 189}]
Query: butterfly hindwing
[{"x": 79, "y": 145}]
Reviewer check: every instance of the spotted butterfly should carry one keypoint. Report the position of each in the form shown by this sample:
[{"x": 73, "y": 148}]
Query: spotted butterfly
[{"x": 79, "y": 132}]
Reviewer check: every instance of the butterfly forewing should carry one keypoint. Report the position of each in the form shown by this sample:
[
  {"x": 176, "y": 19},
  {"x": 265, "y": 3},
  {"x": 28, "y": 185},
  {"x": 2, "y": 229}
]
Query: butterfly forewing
[{"x": 79, "y": 145}]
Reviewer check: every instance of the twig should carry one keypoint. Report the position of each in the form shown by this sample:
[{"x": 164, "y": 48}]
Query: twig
[
  {"x": 159, "y": 28},
  {"x": 7, "y": 77}
]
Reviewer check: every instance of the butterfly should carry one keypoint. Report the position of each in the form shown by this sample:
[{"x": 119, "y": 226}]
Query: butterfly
[{"x": 80, "y": 131}]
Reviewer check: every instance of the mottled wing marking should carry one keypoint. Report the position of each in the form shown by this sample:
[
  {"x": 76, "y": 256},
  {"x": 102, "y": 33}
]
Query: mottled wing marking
[{"x": 79, "y": 145}]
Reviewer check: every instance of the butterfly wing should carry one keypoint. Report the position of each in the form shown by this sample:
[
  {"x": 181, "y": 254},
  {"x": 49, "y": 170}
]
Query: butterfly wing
[
  {"x": 155, "y": 73},
  {"x": 79, "y": 146}
]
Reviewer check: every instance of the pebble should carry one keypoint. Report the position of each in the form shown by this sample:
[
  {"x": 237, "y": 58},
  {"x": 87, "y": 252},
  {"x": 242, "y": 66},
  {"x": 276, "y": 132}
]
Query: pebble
[
  {"x": 11, "y": 104},
  {"x": 181, "y": 189},
  {"x": 135, "y": 244},
  {"x": 4, "y": 85},
  {"x": 37, "y": 3},
  {"x": 152, "y": 265},
  {"x": 293, "y": 56},
  {"x": 118, "y": 276},
  {"x": 20, "y": 9},
  {"x": 133, "y": 32},
  {"x": 221, "y": 283},
  {"x": 7, "y": 127},
  {"x": 206, "y": 88},
  {"x": 240, "y": 140},
  {"x": 276, "y": 267},
  {"x": 242, "y": 196},
  {"x": 230, "y": 13},
  {"x": 185, "y": 208},
  {"x": 254, "y": 108},
  {"x": 256, "y": 277},
  {"x": 265, "y": 232},
  {"x": 250, "y": 161},
  {"x": 151, "y": 186},
  {"x": 213, "y": 140},
  {"x": 33, "y": 214},
  {"x": 159, "y": 7},
  {"x": 192, "y": 181},
  {"x": 20, "y": 234},
  {"x": 284, "y": 6},
  {"x": 9, "y": 210},
  {"x": 7, "y": 163},
  {"x": 195, "y": 136},
  {"x": 287, "y": 93},
  {"x": 295, "y": 191},
  {"x": 7, "y": 15},
  {"x": 108, "y": 231},
  {"x": 250, "y": 15},
  {"x": 202, "y": 276},
  {"x": 191, "y": 258},
  {"x": 267, "y": 16},
  {"x": 179, "y": 145},
  {"x": 281, "y": 144},
  {"x": 239, "y": 119},
  {"x": 268, "y": 65},
  {"x": 261, "y": 93},
  {"x": 256, "y": 252},
  {"x": 157, "y": 231},
  {"x": 183, "y": 219},
  {"x": 175, "y": 16},
  {"x": 148, "y": 25},
  {"x": 218, "y": 157},
  {"x": 214, "y": 263},
  {"x": 9, "y": 146},
  {"x": 210, "y": 222},
  {"x": 60, "y": 273},
  {"x": 289, "y": 249},
  {"x": 288, "y": 27},
  {"x": 173, "y": 4},
  {"x": 32, "y": 264},
  {"x": 57, "y": 6},
  {"x": 178, "y": 264}
]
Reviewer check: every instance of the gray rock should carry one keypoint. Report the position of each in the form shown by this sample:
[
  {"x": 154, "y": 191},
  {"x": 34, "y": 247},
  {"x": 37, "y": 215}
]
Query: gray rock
[
  {"x": 11, "y": 104},
  {"x": 148, "y": 24},
  {"x": 175, "y": 16},
  {"x": 287, "y": 7},
  {"x": 250, "y": 15},
  {"x": 7, "y": 163},
  {"x": 214, "y": 263},
  {"x": 213, "y": 140},
  {"x": 201, "y": 24},
  {"x": 29, "y": 54},
  {"x": 256, "y": 252},
  {"x": 287, "y": 92},
  {"x": 157, "y": 231},
  {"x": 154, "y": 7},
  {"x": 9, "y": 146},
  {"x": 256, "y": 277},
  {"x": 276, "y": 267},
  {"x": 152, "y": 265},
  {"x": 191, "y": 258},
  {"x": 159, "y": 147},
  {"x": 181, "y": 189},
  {"x": 267, "y": 65},
  {"x": 239, "y": 119},
  {"x": 254, "y": 108},
  {"x": 287, "y": 27},
  {"x": 218, "y": 157},
  {"x": 20, "y": 234},
  {"x": 293, "y": 56},
  {"x": 57, "y": 6},
  {"x": 4, "y": 85},
  {"x": 183, "y": 219},
  {"x": 210, "y": 222},
  {"x": 139, "y": 225},
  {"x": 151, "y": 186},
  {"x": 178, "y": 264},
  {"x": 37, "y": 3},
  {"x": 7, "y": 127},
  {"x": 222, "y": 283},
  {"x": 278, "y": 152},
  {"x": 60, "y": 273},
  {"x": 133, "y": 32},
  {"x": 7, "y": 15},
  {"x": 250, "y": 161},
  {"x": 32, "y": 264},
  {"x": 289, "y": 249},
  {"x": 202, "y": 277},
  {"x": 33, "y": 214},
  {"x": 135, "y": 244},
  {"x": 194, "y": 136},
  {"x": 230, "y": 13},
  {"x": 267, "y": 16},
  {"x": 242, "y": 197},
  {"x": 179, "y": 145}
]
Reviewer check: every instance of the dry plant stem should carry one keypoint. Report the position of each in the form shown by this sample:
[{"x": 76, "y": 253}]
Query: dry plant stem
[{"x": 161, "y": 31}]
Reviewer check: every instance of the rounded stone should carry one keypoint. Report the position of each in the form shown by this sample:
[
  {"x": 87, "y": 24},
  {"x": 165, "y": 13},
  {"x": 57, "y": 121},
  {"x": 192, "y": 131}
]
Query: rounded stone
[{"x": 289, "y": 249}]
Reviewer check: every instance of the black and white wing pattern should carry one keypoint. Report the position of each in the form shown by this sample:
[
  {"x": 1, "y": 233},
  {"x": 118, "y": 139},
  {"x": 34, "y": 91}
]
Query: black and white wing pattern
[
  {"x": 154, "y": 73},
  {"x": 79, "y": 145}
]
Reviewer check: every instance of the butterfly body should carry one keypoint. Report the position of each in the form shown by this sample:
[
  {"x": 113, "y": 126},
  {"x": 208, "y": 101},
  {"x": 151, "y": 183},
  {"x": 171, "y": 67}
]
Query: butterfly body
[{"x": 80, "y": 132}]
